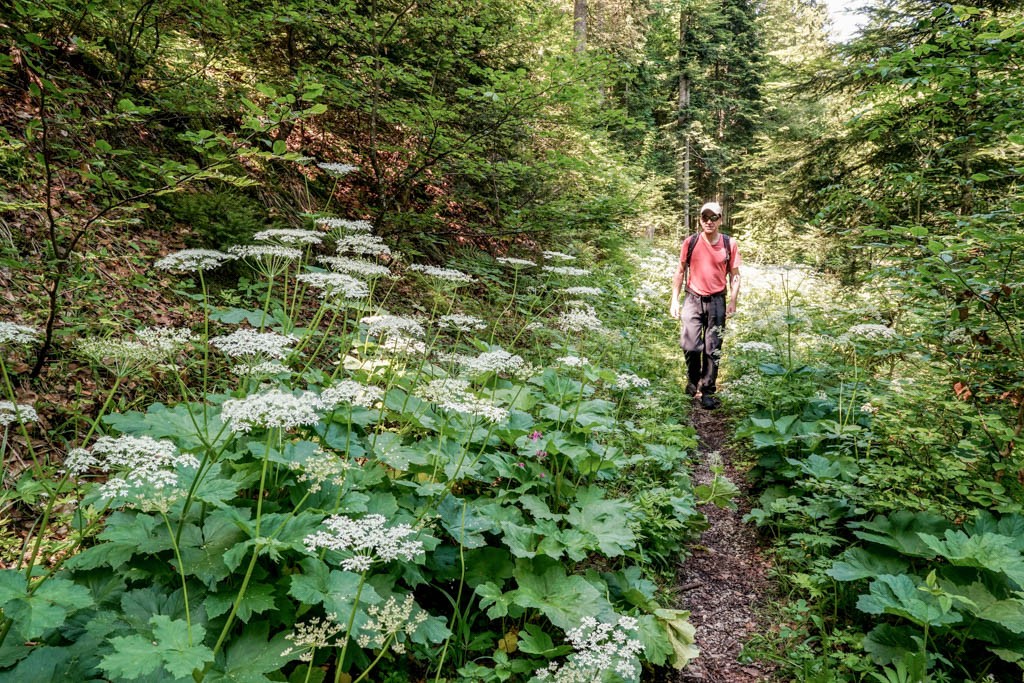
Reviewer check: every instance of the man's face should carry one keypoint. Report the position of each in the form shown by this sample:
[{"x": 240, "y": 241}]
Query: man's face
[{"x": 709, "y": 222}]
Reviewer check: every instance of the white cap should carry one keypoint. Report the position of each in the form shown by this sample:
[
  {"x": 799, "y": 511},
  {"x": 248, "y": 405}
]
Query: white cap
[{"x": 711, "y": 206}]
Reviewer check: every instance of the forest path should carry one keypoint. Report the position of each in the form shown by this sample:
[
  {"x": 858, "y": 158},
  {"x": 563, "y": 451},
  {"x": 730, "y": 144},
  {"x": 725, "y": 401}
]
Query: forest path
[{"x": 725, "y": 581}]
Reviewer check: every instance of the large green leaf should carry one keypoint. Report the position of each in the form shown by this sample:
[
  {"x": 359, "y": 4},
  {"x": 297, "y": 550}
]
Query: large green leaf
[
  {"x": 46, "y": 608},
  {"x": 901, "y": 530},
  {"x": 887, "y": 643},
  {"x": 977, "y": 600},
  {"x": 543, "y": 585},
  {"x": 606, "y": 520},
  {"x": 250, "y": 656},
  {"x": 169, "y": 646},
  {"x": 187, "y": 431},
  {"x": 899, "y": 595},
  {"x": 860, "y": 563},
  {"x": 993, "y": 552}
]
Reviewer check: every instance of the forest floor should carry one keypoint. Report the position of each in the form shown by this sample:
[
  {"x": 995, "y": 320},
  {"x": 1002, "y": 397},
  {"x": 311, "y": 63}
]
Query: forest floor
[{"x": 724, "y": 583}]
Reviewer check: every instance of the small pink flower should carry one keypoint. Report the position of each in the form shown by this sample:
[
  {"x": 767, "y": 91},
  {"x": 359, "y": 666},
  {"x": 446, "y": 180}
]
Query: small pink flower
[
  {"x": 541, "y": 454},
  {"x": 542, "y": 475},
  {"x": 534, "y": 436},
  {"x": 520, "y": 464}
]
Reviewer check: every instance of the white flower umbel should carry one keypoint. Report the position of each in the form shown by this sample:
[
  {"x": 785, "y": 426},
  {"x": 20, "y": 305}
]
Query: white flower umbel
[
  {"x": 446, "y": 274},
  {"x": 165, "y": 339},
  {"x": 755, "y": 347},
  {"x": 120, "y": 356},
  {"x": 350, "y": 392},
  {"x": 568, "y": 271},
  {"x": 558, "y": 256},
  {"x": 321, "y": 467},
  {"x": 389, "y": 620},
  {"x": 13, "y": 333},
  {"x": 573, "y": 361},
  {"x": 193, "y": 260},
  {"x": 344, "y": 224},
  {"x": 627, "y": 380},
  {"x": 871, "y": 331},
  {"x": 272, "y": 409},
  {"x": 581, "y": 291},
  {"x": 515, "y": 262},
  {"x": 599, "y": 647},
  {"x": 336, "y": 285},
  {"x": 266, "y": 252},
  {"x": 578, "y": 320},
  {"x": 352, "y": 266},
  {"x": 16, "y": 412},
  {"x": 313, "y": 635},
  {"x": 461, "y": 323},
  {"x": 454, "y": 395},
  {"x": 492, "y": 361},
  {"x": 648, "y": 295},
  {"x": 365, "y": 540},
  {"x": 336, "y": 169},
  {"x": 142, "y": 464},
  {"x": 254, "y": 344},
  {"x": 256, "y": 368},
  {"x": 385, "y": 325},
  {"x": 400, "y": 344},
  {"x": 362, "y": 245},
  {"x": 289, "y": 236}
]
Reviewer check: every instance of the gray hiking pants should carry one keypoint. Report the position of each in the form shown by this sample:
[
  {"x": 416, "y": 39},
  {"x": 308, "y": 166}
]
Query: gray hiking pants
[{"x": 703, "y": 321}]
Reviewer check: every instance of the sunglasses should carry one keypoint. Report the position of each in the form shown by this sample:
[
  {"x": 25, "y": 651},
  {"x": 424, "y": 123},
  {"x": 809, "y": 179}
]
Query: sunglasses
[{"x": 710, "y": 217}]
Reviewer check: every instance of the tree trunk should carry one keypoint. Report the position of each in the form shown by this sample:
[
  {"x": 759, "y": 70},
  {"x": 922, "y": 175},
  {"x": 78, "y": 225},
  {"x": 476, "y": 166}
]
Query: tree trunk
[
  {"x": 683, "y": 119},
  {"x": 579, "y": 24}
]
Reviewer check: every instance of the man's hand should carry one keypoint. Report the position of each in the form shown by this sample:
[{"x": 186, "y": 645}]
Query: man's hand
[
  {"x": 673, "y": 308},
  {"x": 730, "y": 310}
]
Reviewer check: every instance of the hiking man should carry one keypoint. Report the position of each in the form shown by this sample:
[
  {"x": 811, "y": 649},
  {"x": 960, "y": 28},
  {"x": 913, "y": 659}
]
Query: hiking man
[{"x": 704, "y": 262}]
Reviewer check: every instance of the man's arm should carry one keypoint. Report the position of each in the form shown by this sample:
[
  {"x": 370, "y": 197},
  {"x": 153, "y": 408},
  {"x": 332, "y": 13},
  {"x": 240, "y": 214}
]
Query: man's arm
[
  {"x": 677, "y": 286},
  {"x": 734, "y": 291}
]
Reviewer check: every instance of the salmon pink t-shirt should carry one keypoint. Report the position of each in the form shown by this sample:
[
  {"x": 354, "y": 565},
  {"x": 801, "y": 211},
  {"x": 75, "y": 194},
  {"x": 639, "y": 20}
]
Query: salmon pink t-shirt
[{"x": 707, "y": 265}]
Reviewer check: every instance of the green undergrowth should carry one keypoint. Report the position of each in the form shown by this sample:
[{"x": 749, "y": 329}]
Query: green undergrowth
[
  {"x": 361, "y": 468},
  {"x": 887, "y": 487}
]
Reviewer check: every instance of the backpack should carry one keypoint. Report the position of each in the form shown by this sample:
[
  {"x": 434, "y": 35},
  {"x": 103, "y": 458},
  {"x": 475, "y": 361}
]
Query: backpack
[{"x": 692, "y": 242}]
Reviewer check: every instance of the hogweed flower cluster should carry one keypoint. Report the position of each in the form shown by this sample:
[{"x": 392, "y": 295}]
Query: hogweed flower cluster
[
  {"x": 16, "y": 412},
  {"x": 578, "y": 320},
  {"x": 627, "y": 380},
  {"x": 289, "y": 236},
  {"x": 334, "y": 223},
  {"x": 870, "y": 331},
  {"x": 581, "y": 291},
  {"x": 498, "y": 360},
  {"x": 462, "y": 323},
  {"x": 274, "y": 253},
  {"x": 255, "y": 344},
  {"x": 387, "y": 621},
  {"x": 558, "y": 256},
  {"x": 365, "y": 245},
  {"x": 353, "y": 266},
  {"x": 568, "y": 271},
  {"x": 336, "y": 169},
  {"x": 146, "y": 467},
  {"x": 572, "y": 361},
  {"x": 13, "y": 333},
  {"x": 387, "y": 325},
  {"x": 366, "y": 540},
  {"x": 312, "y": 635},
  {"x": 322, "y": 467},
  {"x": 447, "y": 274},
  {"x": 755, "y": 347},
  {"x": 166, "y": 339},
  {"x": 120, "y": 356},
  {"x": 515, "y": 262},
  {"x": 272, "y": 409},
  {"x": 350, "y": 392},
  {"x": 454, "y": 395},
  {"x": 193, "y": 260},
  {"x": 336, "y": 284},
  {"x": 598, "y": 647}
]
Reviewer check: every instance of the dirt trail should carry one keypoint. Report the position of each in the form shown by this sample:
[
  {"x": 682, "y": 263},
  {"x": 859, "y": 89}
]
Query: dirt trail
[{"x": 725, "y": 580}]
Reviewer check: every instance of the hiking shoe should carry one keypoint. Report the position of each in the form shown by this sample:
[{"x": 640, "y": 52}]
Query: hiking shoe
[
  {"x": 691, "y": 389},
  {"x": 709, "y": 402}
]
